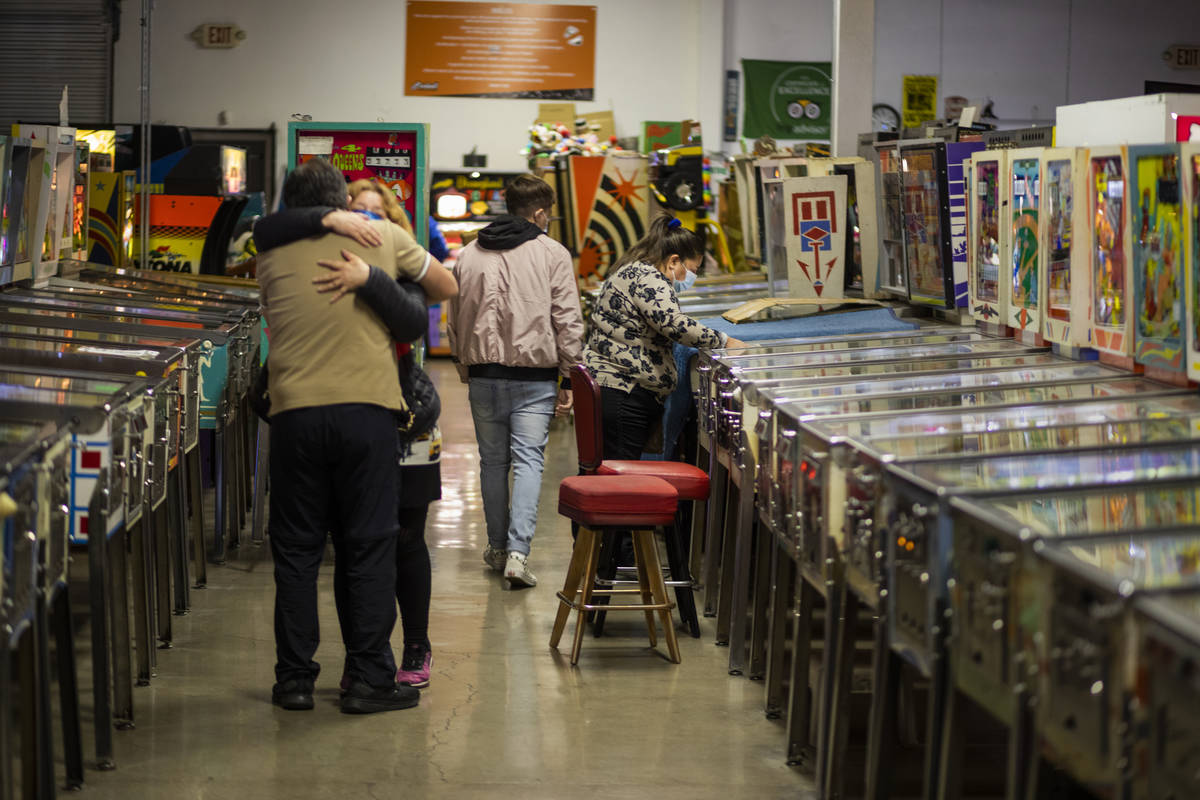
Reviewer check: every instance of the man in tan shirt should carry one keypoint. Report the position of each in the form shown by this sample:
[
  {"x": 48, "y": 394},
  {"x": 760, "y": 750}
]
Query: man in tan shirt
[{"x": 334, "y": 398}]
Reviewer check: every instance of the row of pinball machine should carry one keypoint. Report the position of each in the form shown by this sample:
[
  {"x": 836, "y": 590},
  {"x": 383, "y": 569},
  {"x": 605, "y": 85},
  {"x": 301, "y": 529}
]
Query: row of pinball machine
[
  {"x": 123, "y": 396},
  {"x": 961, "y": 548},
  {"x": 956, "y": 539}
]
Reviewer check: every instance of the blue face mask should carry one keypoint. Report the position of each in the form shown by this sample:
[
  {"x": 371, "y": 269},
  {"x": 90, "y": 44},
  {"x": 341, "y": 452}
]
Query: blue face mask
[
  {"x": 367, "y": 214},
  {"x": 685, "y": 284}
]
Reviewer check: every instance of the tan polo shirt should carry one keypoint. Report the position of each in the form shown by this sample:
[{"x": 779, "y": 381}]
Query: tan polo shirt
[{"x": 323, "y": 354}]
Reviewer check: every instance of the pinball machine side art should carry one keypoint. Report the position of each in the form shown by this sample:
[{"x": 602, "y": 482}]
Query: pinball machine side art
[
  {"x": 1024, "y": 204},
  {"x": 815, "y": 214},
  {"x": 1065, "y": 278},
  {"x": 1156, "y": 204},
  {"x": 1111, "y": 256},
  {"x": 610, "y": 198},
  {"x": 1190, "y": 167},
  {"x": 958, "y": 162},
  {"x": 862, "y": 231}
]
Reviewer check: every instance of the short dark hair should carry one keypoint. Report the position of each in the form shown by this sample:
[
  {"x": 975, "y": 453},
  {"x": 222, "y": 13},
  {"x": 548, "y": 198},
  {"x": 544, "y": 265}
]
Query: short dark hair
[
  {"x": 316, "y": 182},
  {"x": 526, "y": 194}
]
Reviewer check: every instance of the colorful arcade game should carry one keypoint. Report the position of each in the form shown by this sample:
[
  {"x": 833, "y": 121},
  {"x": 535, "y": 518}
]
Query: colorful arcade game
[
  {"x": 1066, "y": 282},
  {"x": 1159, "y": 271},
  {"x": 15, "y": 154},
  {"x": 989, "y": 295},
  {"x": 1111, "y": 255},
  {"x": 927, "y": 197},
  {"x": 814, "y": 211},
  {"x": 393, "y": 153},
  {"x": 862, "y": 229},
  {"x": 893, "y": 277},
  {"x": 1024, "y": 206},
  {"x": 1190, "y": 167},
  {"x": 111, "y": 197}
]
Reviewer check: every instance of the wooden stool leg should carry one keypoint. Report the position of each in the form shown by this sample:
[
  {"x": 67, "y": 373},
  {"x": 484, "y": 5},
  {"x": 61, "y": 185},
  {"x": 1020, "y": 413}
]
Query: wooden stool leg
[
  {"x": 589, "y": 583},
  {"x": 583, "y": 545},
  {"x": 644, "y": 582},
  {"x": 659, "y": 588}
]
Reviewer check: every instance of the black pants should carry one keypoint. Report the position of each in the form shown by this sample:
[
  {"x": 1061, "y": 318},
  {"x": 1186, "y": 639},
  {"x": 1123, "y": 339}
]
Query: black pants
[
  {"x": 629, "y": 419},
  {"x": 413, "y": 577},
  {"x": 333, "y": 469}
]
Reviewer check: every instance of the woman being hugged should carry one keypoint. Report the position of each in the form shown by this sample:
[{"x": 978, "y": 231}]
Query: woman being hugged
[{"x": 635, "y": 324}]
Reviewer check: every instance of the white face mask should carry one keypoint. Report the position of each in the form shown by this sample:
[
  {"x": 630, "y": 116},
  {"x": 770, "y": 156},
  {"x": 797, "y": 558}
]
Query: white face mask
[{"x": 689, "y": 279}]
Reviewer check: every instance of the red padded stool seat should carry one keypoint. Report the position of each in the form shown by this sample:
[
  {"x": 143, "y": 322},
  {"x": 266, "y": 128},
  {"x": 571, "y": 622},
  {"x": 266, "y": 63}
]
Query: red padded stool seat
[
  {"x": 607, "y": 502},
  {"x": 604, "y": 501},
  {"x": 689, "y": 481}
]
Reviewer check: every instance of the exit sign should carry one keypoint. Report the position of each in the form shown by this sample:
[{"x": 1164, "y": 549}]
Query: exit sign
[
  {"x": 220, "y": 36},
  {"x": 1183, "y": 56}
]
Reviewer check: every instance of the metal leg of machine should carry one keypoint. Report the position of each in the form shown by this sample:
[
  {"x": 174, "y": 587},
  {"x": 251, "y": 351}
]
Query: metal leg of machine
[
  {"x": 192, "y": 500},
  {"x": 714, "y": 528},
  {"x": 685, "y": 595},
  {"x": 177, "y": 510},
  {"x": 725, "y": 576},
  {"x": 162, "y": 575},
  {"x": 823, "y": 702},
  {"x": 760, "y": 616},
  {"x": 838, "y": 734},
  {"x": 68, "y": 685},
  {"x": 98, "y": 601},
  {"x": 800, "y": 700},
  {"x": 31, "y": 757},
  {"x": 742, "y": 534},
  {"x": 142, "y": 589},
  {"x": 782, "y": 592},
  {"x": 117, "y": 569},
  {"x": 881, "y": 730},
  {"x": 220, "y": 515},
  {"x": 261, "y": 455},
  {"x": 44, "y": 742}
]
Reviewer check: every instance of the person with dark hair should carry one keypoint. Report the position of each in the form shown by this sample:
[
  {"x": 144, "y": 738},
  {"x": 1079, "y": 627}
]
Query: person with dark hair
[
  {"x": 635, "y": 323},
  {"x": 515, "y": 330},
  {"x": 334, "y": 399}
]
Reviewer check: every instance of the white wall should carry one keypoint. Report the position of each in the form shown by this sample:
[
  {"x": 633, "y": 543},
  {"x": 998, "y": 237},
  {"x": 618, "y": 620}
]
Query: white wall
[
  {"x": 656, "y": 59},
  {"x": 1030, "y": 56},
  {"x": 344, "y": 61},
  {"x": 775, "y": 30}
]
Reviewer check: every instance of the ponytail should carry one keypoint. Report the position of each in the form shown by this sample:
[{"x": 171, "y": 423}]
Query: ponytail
[{"x": 667, "y": 237}]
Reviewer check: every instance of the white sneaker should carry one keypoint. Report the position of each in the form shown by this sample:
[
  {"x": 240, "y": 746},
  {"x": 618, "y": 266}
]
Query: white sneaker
[
  {"x": 516, "y": 571},
  {"x": 495, "y": 558}
]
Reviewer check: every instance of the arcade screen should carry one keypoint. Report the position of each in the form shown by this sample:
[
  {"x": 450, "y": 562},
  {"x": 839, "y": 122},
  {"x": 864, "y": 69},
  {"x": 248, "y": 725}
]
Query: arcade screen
[
  {"x": 1108, "y": 239},
  {"x": 233, "y": 169},
  {"x": 1060, "y": 202},
  {"x": 389, "y": 157},
  {"x": 923, "y": 234},
  {"x": 79, "y": 204}
]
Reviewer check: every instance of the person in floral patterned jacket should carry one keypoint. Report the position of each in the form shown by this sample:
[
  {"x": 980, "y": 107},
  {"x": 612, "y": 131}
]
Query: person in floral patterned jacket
[{"x": 635, "y": 324}]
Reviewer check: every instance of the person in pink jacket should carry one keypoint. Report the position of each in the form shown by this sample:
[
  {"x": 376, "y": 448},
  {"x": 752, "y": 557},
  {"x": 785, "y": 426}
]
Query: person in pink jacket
[{"x": 515, "y": 331}]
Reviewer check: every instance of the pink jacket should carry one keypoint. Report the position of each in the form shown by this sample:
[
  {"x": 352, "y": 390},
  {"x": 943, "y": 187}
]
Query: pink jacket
[{"x": 518, "y": 307}]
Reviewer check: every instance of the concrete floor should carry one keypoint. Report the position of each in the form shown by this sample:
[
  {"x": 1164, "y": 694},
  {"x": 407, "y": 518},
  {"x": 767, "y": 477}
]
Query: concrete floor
[{"x": 504, "y": 713}]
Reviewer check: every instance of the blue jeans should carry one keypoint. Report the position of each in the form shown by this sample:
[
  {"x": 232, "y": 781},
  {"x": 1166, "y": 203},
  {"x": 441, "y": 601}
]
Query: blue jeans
[{"x": 512, "y": 424}]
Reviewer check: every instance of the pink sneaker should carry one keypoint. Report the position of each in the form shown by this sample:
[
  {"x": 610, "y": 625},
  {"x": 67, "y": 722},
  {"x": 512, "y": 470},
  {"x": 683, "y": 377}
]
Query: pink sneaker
[{"x": 415, "y": 665}]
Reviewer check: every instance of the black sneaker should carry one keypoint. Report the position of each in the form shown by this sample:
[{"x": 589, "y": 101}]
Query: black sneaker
[
  {"x": 362, "y": 698},
  {"x": 294, "y": 695}
]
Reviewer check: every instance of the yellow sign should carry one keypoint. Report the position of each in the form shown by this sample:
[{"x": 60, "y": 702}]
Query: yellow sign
[{"x": 919, "y": 95}]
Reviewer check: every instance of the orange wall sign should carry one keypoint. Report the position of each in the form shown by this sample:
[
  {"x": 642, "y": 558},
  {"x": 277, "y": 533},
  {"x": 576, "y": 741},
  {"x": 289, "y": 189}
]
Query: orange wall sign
[{"x": 500, "y": 50}]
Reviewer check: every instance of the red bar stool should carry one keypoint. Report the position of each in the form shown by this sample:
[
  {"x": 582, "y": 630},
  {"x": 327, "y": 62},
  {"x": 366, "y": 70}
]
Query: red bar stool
[
  {"x": 690, "y": 482},
  {"x": 600, "y": 503}
]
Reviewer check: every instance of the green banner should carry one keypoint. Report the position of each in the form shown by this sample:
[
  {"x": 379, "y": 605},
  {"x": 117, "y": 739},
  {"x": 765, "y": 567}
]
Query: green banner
[{"x": 788, "y": 99}]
